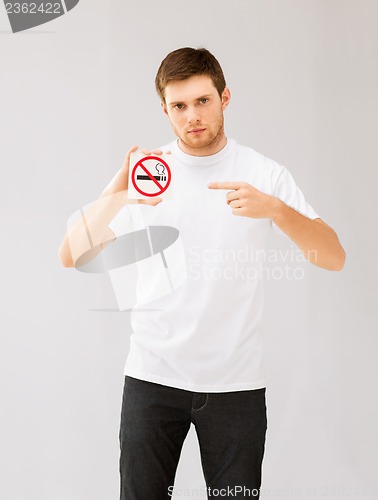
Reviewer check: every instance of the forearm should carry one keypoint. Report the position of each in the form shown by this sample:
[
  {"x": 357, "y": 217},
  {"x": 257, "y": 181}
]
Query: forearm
[
  {"x": 88, "y": 234},
  {"x": 318, "y": 242}
]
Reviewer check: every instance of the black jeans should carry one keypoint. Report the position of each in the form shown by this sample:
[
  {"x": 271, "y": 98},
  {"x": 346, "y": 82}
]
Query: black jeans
[{"x": 155, "y": 420}]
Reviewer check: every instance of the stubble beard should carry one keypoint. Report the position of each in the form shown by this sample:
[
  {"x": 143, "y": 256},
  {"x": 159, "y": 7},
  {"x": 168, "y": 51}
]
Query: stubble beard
[{"x": 205, "y": 143}]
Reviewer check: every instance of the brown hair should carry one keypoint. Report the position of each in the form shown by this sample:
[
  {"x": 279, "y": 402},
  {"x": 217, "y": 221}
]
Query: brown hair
[{"x": 186, "y": 62}]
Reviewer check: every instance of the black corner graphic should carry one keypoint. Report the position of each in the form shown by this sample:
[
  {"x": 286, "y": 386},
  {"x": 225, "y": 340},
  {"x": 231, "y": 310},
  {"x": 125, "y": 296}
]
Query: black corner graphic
[
  {"x": 24, "y": 15},
  {"x": 70, "y": 4}
]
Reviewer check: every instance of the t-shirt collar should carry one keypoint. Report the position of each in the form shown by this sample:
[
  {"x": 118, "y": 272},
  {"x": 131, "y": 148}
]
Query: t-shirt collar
[{"x": 202, "y": 160}]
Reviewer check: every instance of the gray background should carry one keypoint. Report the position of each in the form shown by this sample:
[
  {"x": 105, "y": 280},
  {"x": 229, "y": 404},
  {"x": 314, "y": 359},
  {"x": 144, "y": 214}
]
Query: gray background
[{"x": 76, "y": 94}]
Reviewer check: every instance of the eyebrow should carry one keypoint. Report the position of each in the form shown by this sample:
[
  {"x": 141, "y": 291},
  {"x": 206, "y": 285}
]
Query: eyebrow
[{"x": 196, "y": 99}]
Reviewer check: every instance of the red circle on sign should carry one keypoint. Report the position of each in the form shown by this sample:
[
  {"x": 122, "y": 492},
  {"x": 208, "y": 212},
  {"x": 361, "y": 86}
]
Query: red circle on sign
[{"x": 140, "y": 164}]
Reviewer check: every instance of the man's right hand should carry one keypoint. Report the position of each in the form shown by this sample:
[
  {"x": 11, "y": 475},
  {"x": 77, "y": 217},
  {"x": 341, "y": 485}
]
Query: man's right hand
[{"x": 121, "y": 180}]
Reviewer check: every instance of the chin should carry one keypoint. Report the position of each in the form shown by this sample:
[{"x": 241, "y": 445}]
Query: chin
[{"x": 200, "y": 142}]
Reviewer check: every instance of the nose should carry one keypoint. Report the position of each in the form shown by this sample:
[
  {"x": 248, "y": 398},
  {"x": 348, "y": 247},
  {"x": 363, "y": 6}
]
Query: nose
[{"x": 193, "y": 115}]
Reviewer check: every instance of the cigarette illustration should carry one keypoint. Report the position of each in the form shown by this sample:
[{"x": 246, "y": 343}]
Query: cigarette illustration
[{"x": 160, "y": 168}]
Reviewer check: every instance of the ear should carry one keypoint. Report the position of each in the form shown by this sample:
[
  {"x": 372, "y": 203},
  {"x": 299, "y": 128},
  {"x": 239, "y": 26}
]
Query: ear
[
  {"x": 164, "y": 108},
  {"x": 226, "y": 97}
]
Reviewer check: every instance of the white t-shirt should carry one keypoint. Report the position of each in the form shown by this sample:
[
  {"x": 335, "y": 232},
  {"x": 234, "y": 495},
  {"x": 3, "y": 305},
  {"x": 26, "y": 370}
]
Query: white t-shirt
[{"x": 206, "y": 335}]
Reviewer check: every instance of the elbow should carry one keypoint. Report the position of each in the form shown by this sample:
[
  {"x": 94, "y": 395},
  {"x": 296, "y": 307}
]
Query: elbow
[
  {"x": 66, "y": 262},
  {"x": 340, "y": 262},
  {"x": 332, "y": 263},
  {"x": 338, "y": 257},
  {"x": 65, "y": 259}
]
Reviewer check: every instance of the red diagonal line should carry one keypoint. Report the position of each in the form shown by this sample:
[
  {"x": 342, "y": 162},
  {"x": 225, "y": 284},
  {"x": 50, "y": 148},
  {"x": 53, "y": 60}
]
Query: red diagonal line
[{"x": 150, "y": 175}]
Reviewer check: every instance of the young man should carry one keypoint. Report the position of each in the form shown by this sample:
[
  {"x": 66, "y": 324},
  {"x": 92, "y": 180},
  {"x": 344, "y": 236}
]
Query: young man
[{"x": 196, "y": 354}]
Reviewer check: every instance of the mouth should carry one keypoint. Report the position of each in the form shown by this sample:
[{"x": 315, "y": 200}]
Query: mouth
[{"x": 196, "y": 131}]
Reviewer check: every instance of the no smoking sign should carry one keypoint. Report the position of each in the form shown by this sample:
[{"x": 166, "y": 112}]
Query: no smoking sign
[{"x": 149, "y": 176}]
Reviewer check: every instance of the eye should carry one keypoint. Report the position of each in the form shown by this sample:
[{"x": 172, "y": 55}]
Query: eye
[
  {"x": 203, "y": 100},
  {"x": 179, "y": 106}
]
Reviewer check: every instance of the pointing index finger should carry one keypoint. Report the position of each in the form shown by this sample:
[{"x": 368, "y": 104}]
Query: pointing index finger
[{"x": 224, "y": 185}]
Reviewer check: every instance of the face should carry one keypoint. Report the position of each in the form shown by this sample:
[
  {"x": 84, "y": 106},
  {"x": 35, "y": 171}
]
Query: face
[{"x": 195, "y": 111}]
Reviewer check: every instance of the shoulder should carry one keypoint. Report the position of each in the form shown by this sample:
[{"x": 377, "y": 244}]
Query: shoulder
[{"x": 263, "y": 164}]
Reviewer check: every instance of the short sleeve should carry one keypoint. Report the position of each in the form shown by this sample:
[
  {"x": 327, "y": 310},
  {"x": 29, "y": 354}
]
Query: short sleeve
[{"x": 287, "y": 191}]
